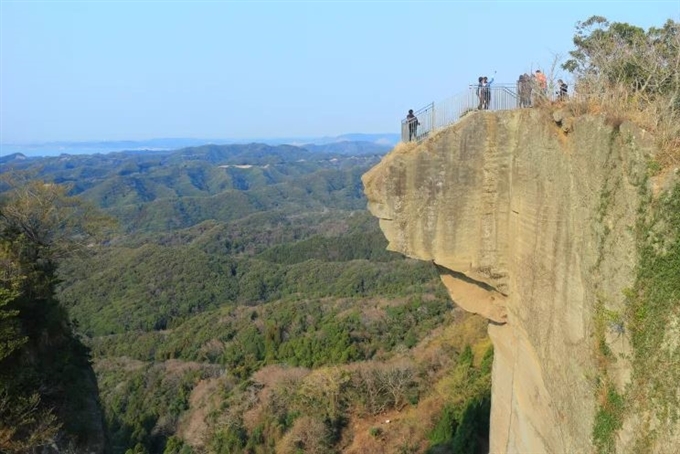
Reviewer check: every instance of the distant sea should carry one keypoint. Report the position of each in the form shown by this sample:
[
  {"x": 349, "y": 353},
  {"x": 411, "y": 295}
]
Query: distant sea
[
  {"x": 44, "y": 150},
  {"x": 58, "y": 148}
]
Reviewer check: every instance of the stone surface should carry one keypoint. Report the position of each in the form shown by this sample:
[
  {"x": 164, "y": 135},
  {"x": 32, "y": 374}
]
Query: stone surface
[{"x": 530, "y": 223}]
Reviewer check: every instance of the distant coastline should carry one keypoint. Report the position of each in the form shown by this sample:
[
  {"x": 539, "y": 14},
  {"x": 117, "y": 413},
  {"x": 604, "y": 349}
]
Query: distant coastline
[{"x": 95, "y": 147}]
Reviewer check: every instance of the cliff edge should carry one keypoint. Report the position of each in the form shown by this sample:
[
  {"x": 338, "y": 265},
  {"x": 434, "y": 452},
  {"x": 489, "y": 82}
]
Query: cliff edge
[{"x": 530, "y": 217}]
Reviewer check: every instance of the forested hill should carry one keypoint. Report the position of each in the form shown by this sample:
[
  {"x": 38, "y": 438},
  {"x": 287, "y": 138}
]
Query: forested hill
[
  {"x": 166, "y": 190},
  {"x": 221, "y": 262}
]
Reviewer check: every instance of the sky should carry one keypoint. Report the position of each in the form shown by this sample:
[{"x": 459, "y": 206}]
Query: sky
[{"x": 137, "y": 70}]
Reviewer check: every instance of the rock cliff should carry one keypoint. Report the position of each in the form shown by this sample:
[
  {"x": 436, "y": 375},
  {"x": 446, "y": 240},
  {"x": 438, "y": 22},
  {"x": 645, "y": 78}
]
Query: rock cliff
[{"x": 529, "y": 216}]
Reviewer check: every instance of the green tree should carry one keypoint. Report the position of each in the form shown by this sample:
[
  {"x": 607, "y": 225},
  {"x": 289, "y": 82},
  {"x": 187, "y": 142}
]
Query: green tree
[
  {"x": 631, "y": 74},
  {"x": 619, "y": 54},
  {"x": 46, "y": 382},
  {"x": 46, "y": 222},
  {"x": 10, "y": 336}
]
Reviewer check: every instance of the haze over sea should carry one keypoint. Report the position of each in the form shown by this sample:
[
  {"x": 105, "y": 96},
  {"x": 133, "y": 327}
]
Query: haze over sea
[{"x": 236, "y": 71}]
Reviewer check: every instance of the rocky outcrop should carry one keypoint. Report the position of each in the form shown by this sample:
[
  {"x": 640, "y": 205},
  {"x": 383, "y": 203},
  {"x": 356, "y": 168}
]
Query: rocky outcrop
[{"x": 528, "y": 217}]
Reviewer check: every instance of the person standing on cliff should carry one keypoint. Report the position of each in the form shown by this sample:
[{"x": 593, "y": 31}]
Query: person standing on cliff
[
  {"x": 524, "y": 90},
  {"x": 563, "y": 89},
  {"x": 487, "y": 91},
  {"x": 413, "y": 123},
  {"x": 542, "y": 83},
  {"x": 480, "y": 93}
]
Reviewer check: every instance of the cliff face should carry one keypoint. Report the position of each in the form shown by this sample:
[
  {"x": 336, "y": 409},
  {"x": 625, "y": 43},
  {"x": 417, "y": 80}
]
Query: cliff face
[{"x": 529, "y": 218}]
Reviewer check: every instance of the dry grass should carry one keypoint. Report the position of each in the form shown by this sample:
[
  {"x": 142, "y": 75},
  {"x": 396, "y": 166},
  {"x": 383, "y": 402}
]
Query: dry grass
[
  {"x": 275, "y": 387},
  {"x": 619, "y": 104},
  {"x": 405, "y": 429},
  {"x": 192, "y": 426}
]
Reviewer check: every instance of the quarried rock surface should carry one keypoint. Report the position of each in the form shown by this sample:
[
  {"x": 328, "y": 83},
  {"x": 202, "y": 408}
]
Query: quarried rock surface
[{"x": 531, "y": 225}]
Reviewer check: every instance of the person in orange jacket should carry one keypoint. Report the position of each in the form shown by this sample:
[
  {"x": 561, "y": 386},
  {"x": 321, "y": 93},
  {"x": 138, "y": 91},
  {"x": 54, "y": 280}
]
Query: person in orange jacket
[{"x": 542, "y": 81}]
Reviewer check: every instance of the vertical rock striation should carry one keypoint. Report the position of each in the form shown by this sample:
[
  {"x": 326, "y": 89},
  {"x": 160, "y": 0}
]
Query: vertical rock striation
[{"x": 529, "y": 221}]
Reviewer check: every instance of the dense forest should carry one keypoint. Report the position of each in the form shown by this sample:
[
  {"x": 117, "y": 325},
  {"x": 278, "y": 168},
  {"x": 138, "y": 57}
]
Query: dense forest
[
  {"x": 233, "y": 298},
  {"x": 240, "y": 299}
]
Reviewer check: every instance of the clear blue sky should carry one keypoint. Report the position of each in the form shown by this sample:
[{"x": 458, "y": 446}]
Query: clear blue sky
[{"x": 116, "y": 70}]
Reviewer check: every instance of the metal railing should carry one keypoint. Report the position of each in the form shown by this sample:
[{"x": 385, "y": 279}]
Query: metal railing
[{"x": 435, "y": 116}]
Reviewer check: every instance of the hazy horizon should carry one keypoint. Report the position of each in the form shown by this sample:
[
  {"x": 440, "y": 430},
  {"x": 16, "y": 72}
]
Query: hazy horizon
[
  {"x": 110, "y": 71},
  {"x": 57, "y": 148}
]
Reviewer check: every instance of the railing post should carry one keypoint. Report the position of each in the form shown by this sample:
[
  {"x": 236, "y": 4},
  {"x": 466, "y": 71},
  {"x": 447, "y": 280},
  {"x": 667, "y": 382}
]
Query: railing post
[{"x": 432, "y": 123}]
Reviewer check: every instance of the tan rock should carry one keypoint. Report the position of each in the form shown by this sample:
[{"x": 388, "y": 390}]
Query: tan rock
[{"x": 517, "y": 215}]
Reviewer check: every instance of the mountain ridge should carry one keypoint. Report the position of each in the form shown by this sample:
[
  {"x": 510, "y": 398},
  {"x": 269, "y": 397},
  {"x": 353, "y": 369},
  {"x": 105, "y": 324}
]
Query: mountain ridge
[{"x": 55, "y": 148}]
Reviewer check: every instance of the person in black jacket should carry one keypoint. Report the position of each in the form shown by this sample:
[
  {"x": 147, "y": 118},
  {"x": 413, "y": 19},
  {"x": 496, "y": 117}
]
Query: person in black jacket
[
  {"x": 413, "y": 123},
  {"x": 563, "y": 88}
]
